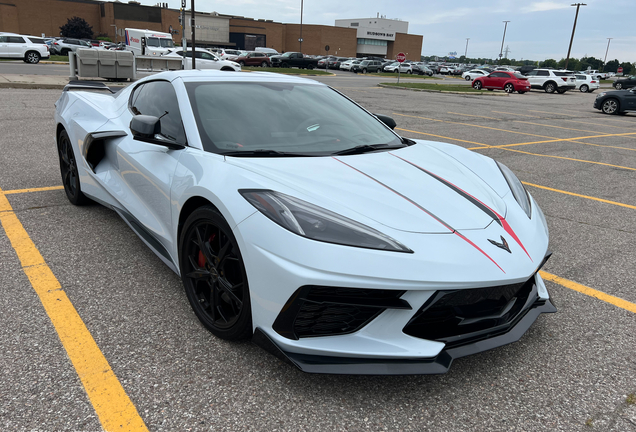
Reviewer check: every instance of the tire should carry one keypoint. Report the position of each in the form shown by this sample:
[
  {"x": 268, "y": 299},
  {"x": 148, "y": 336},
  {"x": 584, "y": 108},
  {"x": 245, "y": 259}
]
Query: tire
[
  {"x": 550, "y": 87},
  {"x": 467, "y": 77},
  {"x": 64, "y": 52},
  {"x": 561, "y": 91},
  {"x": 264, "y": 64},
  {"x": 68, "y": 170},
  {"x": 610, "y": 106},
  {"x": 584, "y": 88},
  {"x": 618, "y": 86},
  {"x": 226, "y": 68},
  {"x": 242, "y": 63},
  {"x": 214, "y": 276},
  {"x": 477, "y": 85},
  {"x": 310, "y": 67},
  {"x": 364, "y": 71},
  {"x": 521, "y": 92},
  {"x": 284, "y": 65},
  {"x": 509, "y": 88},
  {"x": 32, "y": 57},
  {"x": 408, "y": 72}
]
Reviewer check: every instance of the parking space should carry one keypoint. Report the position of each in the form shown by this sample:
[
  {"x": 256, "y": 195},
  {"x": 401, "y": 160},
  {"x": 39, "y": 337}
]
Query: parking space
[{"x": 573, "y": 370}]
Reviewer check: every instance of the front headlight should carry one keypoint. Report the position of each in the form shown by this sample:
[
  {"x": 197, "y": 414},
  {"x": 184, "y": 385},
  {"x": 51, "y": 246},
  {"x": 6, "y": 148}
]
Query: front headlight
[
  {"x": 518, "y": 190},
  {"x": 601, "y": 94},
  {"x": 316, "y": 223}
]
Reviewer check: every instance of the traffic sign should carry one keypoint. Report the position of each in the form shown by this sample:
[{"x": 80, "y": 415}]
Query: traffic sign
[
  {"x": 400, "y": 57},
  {"x": 620, "y": 70},
  {"x": 326, "y": 47}
]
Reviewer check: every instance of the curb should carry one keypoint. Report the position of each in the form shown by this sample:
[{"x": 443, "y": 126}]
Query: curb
[
  {"x": 446, "y": 91},
  {"x": 18, "y": 85},
  {"x": 53, "y": 62}
]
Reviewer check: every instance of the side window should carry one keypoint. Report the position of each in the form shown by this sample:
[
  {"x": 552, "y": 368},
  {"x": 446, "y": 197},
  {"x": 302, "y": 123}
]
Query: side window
[
  {"x": 532, "y": 73},
  {"x": 16, "y": 39},
  {"x": 4, "y": 39},
  {"x": 543, "y": 73},
  {"x": 158, "y": 98}
]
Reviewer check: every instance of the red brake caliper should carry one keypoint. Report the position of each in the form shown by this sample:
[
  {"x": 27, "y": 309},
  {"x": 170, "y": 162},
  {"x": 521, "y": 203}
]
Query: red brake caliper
[{"x": 201, "y": 260}]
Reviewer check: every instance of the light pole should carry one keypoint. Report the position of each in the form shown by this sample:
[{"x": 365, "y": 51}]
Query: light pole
[
  {"x": 192, "y": 32},
  {"x": 578, "y": 5},
  {"x": 300, "y": 39},
  {"x": 606, "y": 51},
  {"x": 502, "y": 40},
  {"x": 115, "y": 25},
  {"x": 466, "y": 52}
]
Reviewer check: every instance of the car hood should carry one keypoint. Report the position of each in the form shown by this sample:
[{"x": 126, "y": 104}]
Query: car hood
[{"x": 417, "y": 189}]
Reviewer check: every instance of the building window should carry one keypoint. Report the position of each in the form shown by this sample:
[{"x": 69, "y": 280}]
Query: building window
[
  {"x": 355, "y": 24},
  {"x": 362, "y": 41}
]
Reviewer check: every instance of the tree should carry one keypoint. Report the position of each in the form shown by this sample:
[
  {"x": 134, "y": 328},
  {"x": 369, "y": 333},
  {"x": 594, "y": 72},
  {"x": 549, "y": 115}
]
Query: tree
[
  {"x": 592, "y": 62},
  {"x": 628, "y": 68},
  {"x": 78, "y": 28},
  {"x": 505, "y": 61},
  {"x": 549, "y": 63},
  {"x": 611, "y": 66}
]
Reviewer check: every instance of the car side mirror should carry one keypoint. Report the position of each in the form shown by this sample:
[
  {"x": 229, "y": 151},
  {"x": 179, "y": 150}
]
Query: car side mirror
[
  {"x": 386, "y": 120},
  {"x": 148, "y": 129}
]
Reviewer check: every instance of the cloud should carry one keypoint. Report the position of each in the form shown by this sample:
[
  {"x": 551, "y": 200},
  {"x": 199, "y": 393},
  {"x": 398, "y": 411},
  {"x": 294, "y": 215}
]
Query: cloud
[{"x": 544, "y": 6}]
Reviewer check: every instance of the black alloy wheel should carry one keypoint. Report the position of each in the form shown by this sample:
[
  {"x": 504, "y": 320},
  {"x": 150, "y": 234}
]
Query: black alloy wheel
[
  {"x": 619, "y": 86},
  {"x": 509, "y": 88},
  {"x": 610, "y": 106},
  {"x": 285, "y": 65},
  {"x": 32, "y": 57},
  {"x": 477, "y": 85},
  {"x": 68, "y": 169},
  {"x": 214, "y": 276}
]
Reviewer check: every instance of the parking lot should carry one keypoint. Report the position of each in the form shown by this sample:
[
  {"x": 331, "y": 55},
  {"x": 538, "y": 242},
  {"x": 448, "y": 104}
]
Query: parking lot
[{"x": 147, "y": 352}]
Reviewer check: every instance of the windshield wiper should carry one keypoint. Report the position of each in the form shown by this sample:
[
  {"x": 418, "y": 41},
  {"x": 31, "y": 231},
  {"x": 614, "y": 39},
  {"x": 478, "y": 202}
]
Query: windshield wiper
[
  {"x": 263, "y": 153},
  {"x": 367, "y": 148}
]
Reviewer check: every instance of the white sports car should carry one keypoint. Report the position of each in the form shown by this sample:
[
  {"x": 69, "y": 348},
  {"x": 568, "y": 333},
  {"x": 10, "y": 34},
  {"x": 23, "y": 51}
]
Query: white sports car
[{"x": 298, "y": 219}]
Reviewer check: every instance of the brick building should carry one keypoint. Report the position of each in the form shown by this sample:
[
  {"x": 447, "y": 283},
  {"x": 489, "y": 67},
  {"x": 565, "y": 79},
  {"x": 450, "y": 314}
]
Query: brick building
[{"x": 37, "y": 17}]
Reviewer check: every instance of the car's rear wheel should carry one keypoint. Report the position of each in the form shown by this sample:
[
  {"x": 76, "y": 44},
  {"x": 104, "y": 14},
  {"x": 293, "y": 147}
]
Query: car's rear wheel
[
  {"x": 521, "y": 92},
  {"x": 65, "y": 52},
  {"x": 467, "y": 77},
  {"x": 584, "y": 88},
  {"x": 619, "y": 86},
  {"x": 242, "y": 63},
  {"x": 408, "y": 72},
  {"x": 310, "y": 67},
  {"x": 264, "y": 64},
  {"x": 285, "y": 65},
  {"x": 32, "y": 57},
  {"x": 610, "y": 106},
  {"x": 68, "y": 169},
  {"x": 364, "y": 71},
  {"x": 214, "y": 276},
  {"x": 477, "y": 85},
  {"x": 550, "y": 87},
  {"x": 509, "y": 88}
]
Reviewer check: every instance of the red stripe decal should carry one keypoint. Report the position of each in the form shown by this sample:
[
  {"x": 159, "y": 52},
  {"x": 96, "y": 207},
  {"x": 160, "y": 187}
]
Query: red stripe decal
[
  {"x": 498, "y": 218},
  {"x": 451, "y": 229}
]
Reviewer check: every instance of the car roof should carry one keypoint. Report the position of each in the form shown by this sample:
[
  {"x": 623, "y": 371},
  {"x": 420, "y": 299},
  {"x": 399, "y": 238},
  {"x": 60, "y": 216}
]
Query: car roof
[{"x": 212, "y": 75}]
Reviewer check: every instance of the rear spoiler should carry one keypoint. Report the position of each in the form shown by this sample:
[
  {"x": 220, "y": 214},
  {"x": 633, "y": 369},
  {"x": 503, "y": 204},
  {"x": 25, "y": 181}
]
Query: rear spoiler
[{"x": 87, "y": 85}]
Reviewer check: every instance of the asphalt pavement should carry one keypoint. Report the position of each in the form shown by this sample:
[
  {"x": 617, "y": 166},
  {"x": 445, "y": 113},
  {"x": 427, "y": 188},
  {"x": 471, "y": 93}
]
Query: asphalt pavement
[{"x": 573, "y": 371}]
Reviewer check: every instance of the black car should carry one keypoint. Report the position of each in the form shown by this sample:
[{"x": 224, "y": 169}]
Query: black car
[
  {"x": 616, "y": 102},
  {"x": 625, "y": 83}
]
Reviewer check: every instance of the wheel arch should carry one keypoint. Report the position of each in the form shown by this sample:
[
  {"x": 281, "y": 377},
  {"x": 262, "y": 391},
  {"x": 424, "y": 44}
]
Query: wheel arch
[
  {"x": 550, "y": 82},
  {"x": 190, "y": 206},
  {"x": 58, "y": 130}
]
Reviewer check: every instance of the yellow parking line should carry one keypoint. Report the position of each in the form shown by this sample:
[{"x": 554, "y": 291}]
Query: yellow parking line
[
  {"x": 470, "y": 115},
  {"x": 113, "y": 407},
  {"x": 515, "y": 114},
  {"x": 567, "y": 120},
  {"x": 445, "y": 137},
  {"x": 618, "y": 302},
  {"x": 581, "y": 196},
  {"x": 579, "y": 115},
  {"x": 578, "y": 130},
  {"x": 19, "y": 191}
]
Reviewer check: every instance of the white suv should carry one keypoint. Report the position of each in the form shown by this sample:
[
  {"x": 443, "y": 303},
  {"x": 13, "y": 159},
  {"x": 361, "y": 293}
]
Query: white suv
[
  {"x": 551, "y": 80},
  {"x": 28, "y": 48}
]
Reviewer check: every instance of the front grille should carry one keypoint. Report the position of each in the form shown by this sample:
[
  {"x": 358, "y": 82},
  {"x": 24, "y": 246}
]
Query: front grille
[
  {"x": 457, "y": 317},
  {"x": 328, "y": 311}
]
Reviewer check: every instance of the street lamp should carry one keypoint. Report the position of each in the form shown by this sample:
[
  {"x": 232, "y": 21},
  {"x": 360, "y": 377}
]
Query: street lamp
[
  {"x": 466, "y": 52},
  {"x": 578, "y": 5},
  {"x": 503, "y": 39},
  {"x": 606, "y": 51},
  {"x": 115, "y": 25},
  {"x": 300, "y": 39}
]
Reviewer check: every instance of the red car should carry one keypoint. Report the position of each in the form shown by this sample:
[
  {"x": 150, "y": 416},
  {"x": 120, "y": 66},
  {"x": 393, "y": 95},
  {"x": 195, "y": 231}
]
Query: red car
[
  {"x": 506, "y": 81},
  {"x": 254, "y": 59}
]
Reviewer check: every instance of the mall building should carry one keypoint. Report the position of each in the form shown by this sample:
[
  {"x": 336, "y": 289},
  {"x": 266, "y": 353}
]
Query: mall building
[{"x": 348, "y": 38}]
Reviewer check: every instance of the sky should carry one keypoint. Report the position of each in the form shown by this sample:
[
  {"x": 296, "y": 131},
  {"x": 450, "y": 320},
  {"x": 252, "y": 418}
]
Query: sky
[{"x": 537, "y": 30}]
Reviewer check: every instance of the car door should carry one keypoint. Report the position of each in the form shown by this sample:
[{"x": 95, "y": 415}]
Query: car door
[
  {"x": 16, "y": 46},
  {"x": 4, "y": 46},
  {"x": 146, "y": 170},
  {"x": 630, "y": 99}
]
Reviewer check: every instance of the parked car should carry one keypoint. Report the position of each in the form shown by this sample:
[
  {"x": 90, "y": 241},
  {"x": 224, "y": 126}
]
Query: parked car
[
  {"x": 334, "y": 62},
  {"x": 397, "y": 66},
  {"x": 66, "y": 45},
  {"x": 323, "y": 62},
  {"x": 299, "y": 220},
  {"x": 586, "y": 83},
  {"x": 28, "y": 48},
  {"x": 550, "y": 80},
  {"x": 474, "y": 73},
  {"x": 625, "y": 83},
  {"x": 595, "y": 73},
  {"x": 367, "y": 66},
  {"x": 501, "y": 80},
  {"x": 421, "y": 69},
  {"x": 224, "y": 54},
  {"x": 616, "y": 101},
  {"x": 348, "y": 64},
  {"x": 294, "y": 59},
  {"x": 254, "y": 59},
  {"x": 204, "y": 60}
]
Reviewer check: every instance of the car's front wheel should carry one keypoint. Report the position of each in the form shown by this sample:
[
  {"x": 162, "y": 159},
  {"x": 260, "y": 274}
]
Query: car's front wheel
[
  {"x": 610, "y": 106},
  {"x": 467, "y": 77},
  {"x": 68, "y": 169},
  {"x": 619, "y": 86},
  {"x": 477, "y": 85},
  {"x": 32, "y": 57},
  {"x": 509, "y": 88},
  {"x": 561, "y": 91},
  {"x": 213, "y": 274},
  {"x": 242, "y": 63},
  {"x": 264, "y": 64},
  {"x": 584, "y": 88}
]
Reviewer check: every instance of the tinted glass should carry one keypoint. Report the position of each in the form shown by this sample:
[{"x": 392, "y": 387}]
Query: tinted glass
[
  {"x": 561, "y": 74},
  {"x": 16, "y": 39},
  {"x": 36, "y": 40},
  {"x": 152, "y": 42},
  {"x": 207, "y": 56},
  {"x": 287, "y": 117},
  {"x": 532, "y": 73},
  {"x": 157, "y": 98},
  {"x": 543, "y": 73},
  {"x": 581, "y": 77}
]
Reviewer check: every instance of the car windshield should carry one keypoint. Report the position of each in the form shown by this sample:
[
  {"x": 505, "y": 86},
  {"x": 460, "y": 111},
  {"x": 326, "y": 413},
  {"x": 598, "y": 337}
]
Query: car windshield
[
  {"x": 296, "y": 118},
  {"x": 166, "y": 43}
]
